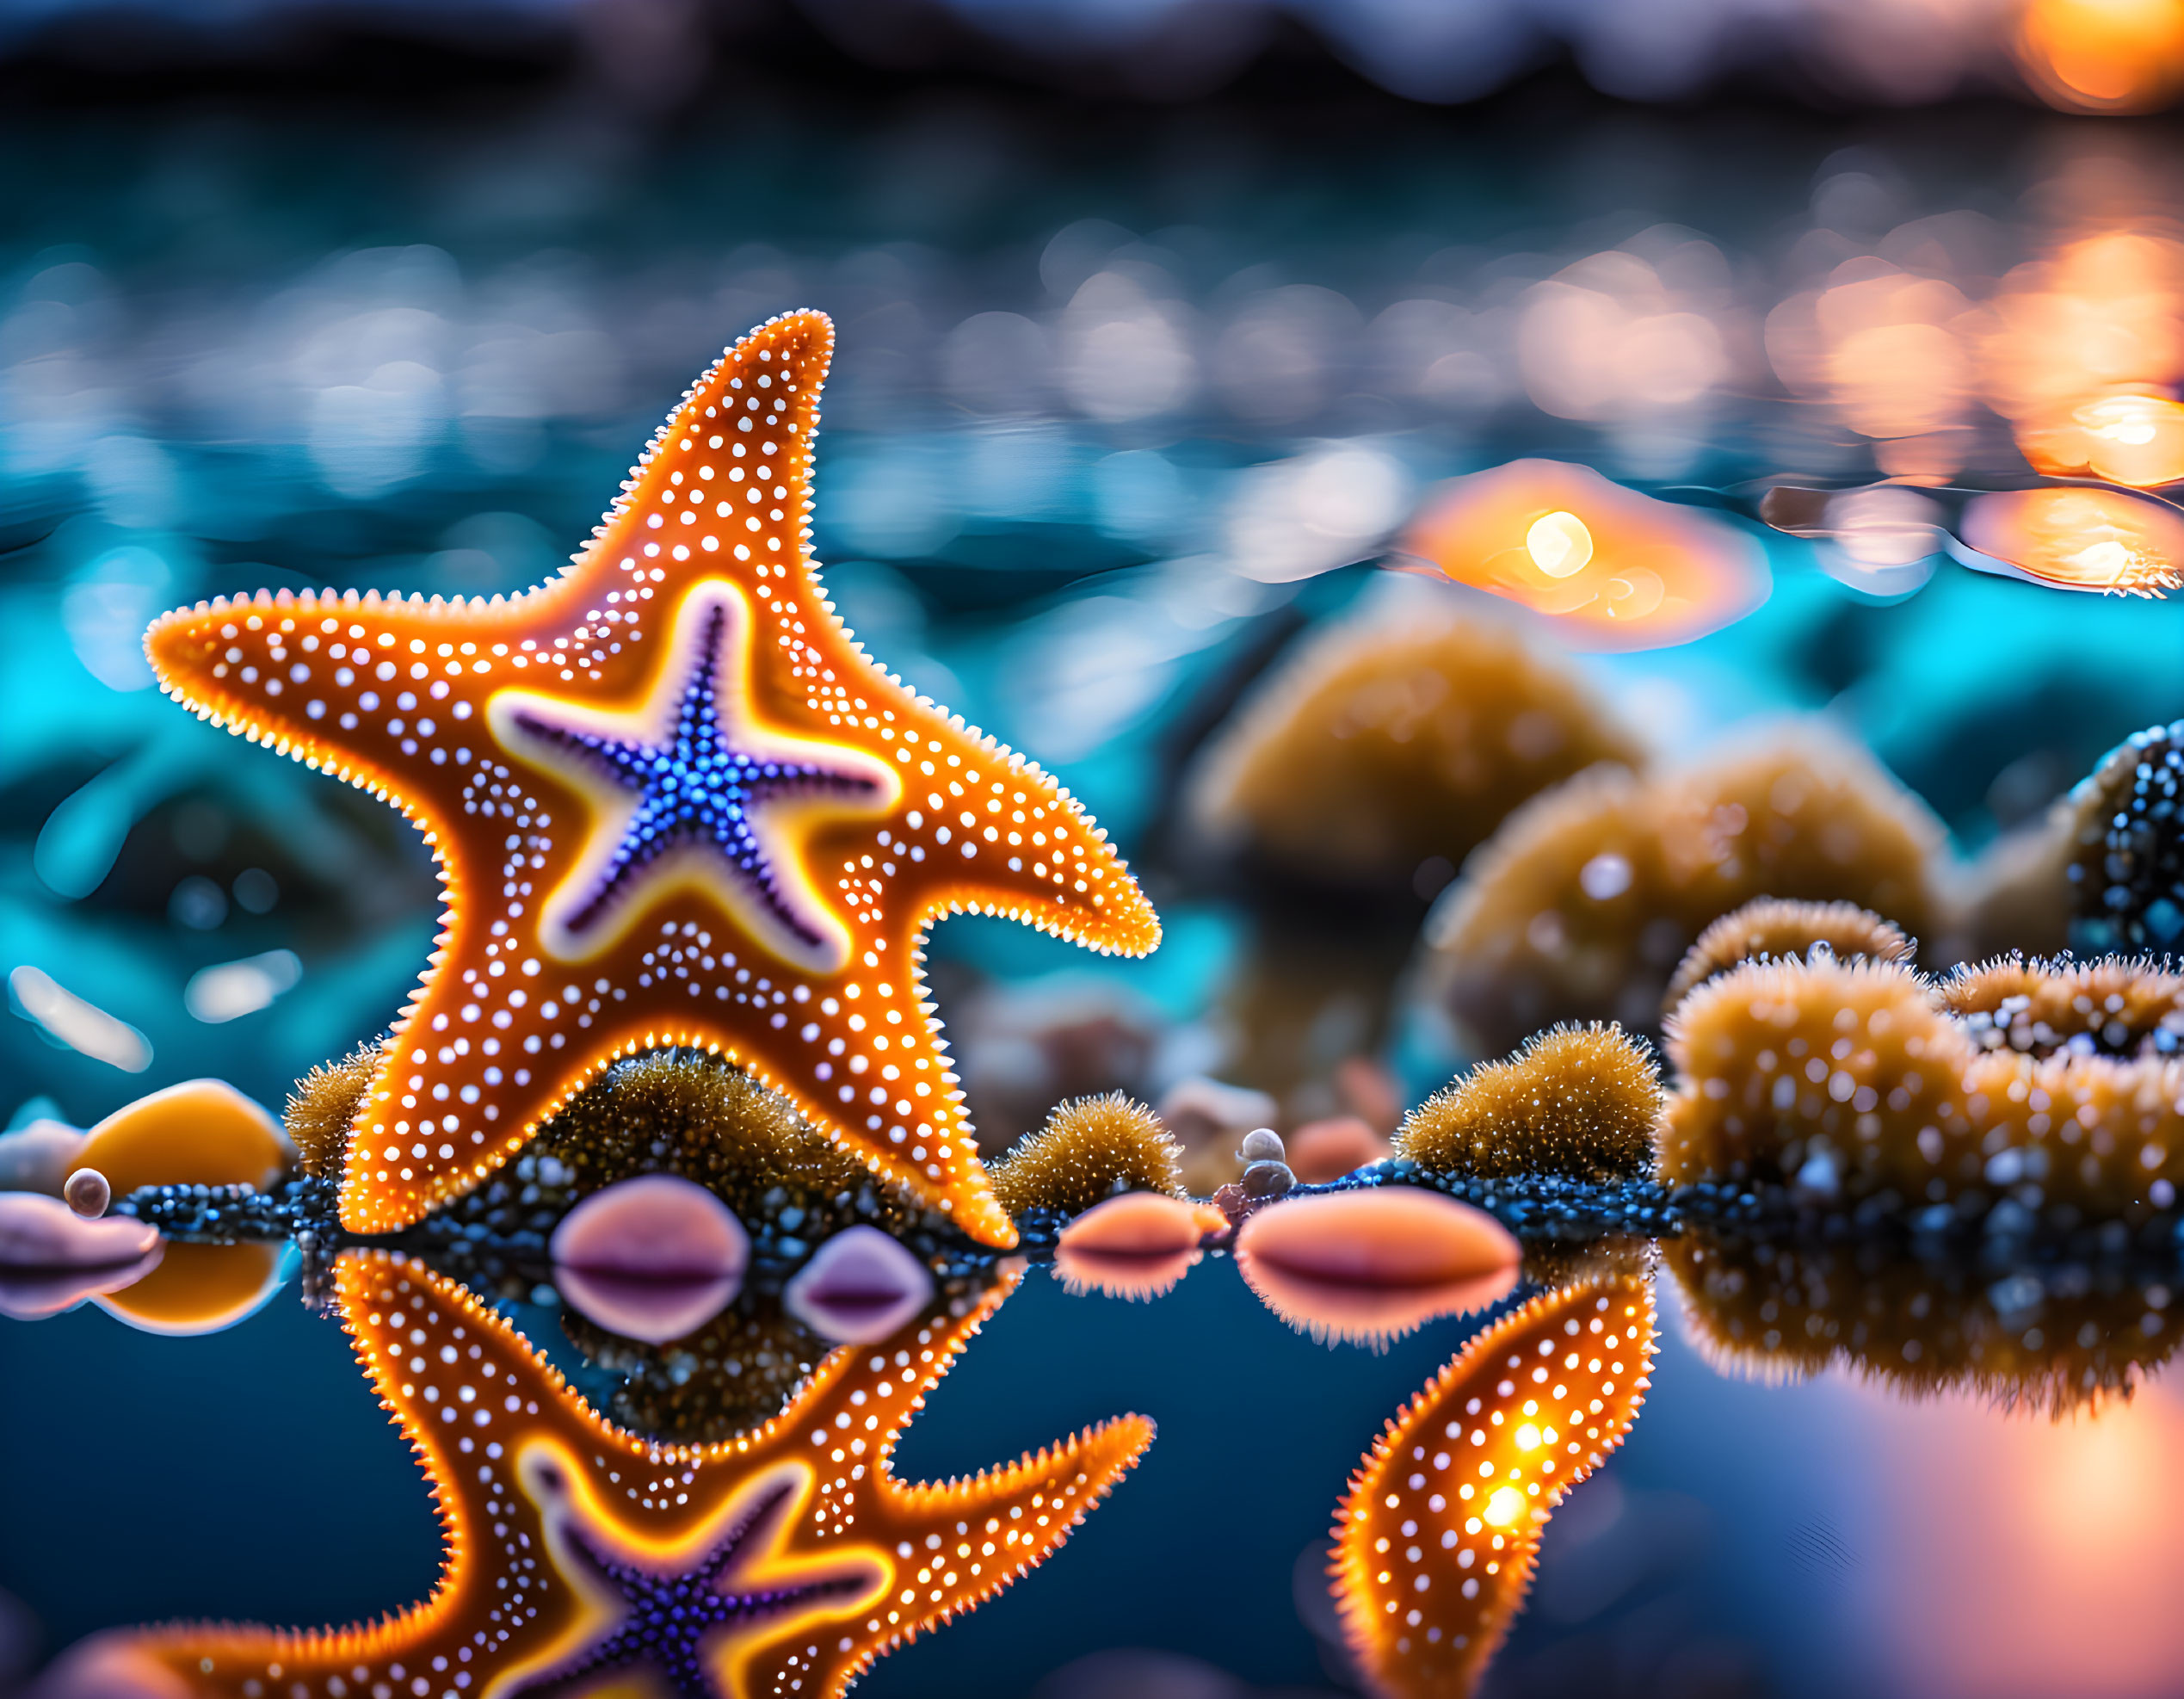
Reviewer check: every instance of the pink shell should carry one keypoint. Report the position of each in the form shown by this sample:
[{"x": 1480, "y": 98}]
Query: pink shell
[
  {"x": 650, "y": 1259},
  {"x": 1138, "y": 1246},
  {"x": 859, "y": 1287},
  {"x": 1373, "y": 1264}
]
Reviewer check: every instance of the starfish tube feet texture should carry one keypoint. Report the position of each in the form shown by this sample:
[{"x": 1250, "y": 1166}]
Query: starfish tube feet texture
[
  {"x": 578, "y": 1557},
  {"x": 673, "y": 802}
]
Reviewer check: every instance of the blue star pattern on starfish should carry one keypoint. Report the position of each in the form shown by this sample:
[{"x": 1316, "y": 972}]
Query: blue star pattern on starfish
[
  {"x": 680, "y": 1621},
  {"x": 691, "y": 788}
]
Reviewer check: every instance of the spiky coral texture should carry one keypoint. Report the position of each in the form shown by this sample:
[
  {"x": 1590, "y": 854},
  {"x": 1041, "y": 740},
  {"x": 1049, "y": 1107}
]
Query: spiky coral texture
[
  {"x": 2126, "y": 870},
  {"x": 323, "y": 1107},
  {"x": 1377, "y": 744},
  {"x": 1790, "y": 1311},
  {"x": 1849, "y": 1078},
  {"x": 1584, "y": 902},
  {"x": 1089, "y": 1149},
  {"x": 1579, "y": 1101},
  {"x": 1772, "y": 926},
  {"x": 2114, "y": 1007}
]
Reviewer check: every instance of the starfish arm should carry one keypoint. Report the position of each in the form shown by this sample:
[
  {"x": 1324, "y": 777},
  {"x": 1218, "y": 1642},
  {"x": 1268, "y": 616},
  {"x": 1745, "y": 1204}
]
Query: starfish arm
[
  {"x": 423, "y": 703},
  {"x": 1436, "y": 1541}
]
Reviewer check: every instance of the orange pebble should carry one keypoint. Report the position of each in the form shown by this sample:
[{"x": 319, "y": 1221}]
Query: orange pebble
[
  {"x": 1372, "y": 1264},
  {"x": 198, "y": 1289},
  {"x": 202, "y": 1131},
  {"x": 1436, "y": 1541},
  {"x": 1321, "y": 1151}
]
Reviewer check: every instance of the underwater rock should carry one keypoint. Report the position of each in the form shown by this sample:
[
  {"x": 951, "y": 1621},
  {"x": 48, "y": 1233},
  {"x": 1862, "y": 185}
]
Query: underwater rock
[
  {"x": 1370, "y": 1265},
  {"x": 1320, "y": 1151},
  {"x": 2056, "y": 1337},
  {"x": 1611, "y": 568},
  {"x": 653, "y": 1257},
  {"x": 1769, "y": 928},
  {"x": 1376, "y": 745},
  {"x": 1089, "y": 1150},
  {"x": 1583, "y": 904},
  {"x": 1020, "y": 1049},
  {"x": 1137, "y": 1246},
  {"x": 40, "y": 1158},
  {"x": 87, "y": 1193},
  {"x": 202, "y": 1131},
  {"x": 1576, "y": 1101},
  {"x": 1261, "y": 1144},
  {"x": 1436, "y": 1540},
  {"x": 1207, "y": 1118},
  {"x": 859, "y": 1287},
  {"x": 2127, "y": 867}
]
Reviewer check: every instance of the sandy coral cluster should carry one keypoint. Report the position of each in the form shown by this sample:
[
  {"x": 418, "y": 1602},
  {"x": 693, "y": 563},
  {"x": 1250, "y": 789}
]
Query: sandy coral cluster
[
  {"x": 1576, "y": 1101},
  {"x": 1585, "y": 902},
  {"x": 323, "y": 1107},
  {"x": 1853, "y": 1080},
  {"x": 1771, "y": 927},
  {"x": 1089, "y": 1150},
  {"x": 2111, "y": 1007},
  {"x": 1378, "y": 745},
  {"x": 2059, "y": 1341}
]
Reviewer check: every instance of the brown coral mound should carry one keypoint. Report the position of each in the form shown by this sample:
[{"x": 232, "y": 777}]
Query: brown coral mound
[
  {"x": 323, "y": 1107},
  {"x": 1784, "y": 1312},
  {"x": 1771, "y": 927},
  {"x": 1850, "y": 1081},
  {"x": 698, "y": 1116},
  {"x": 1578, "y": 1101},
  {"x": 1843, "y": 1072},
  {"x": 2113, "y": 1007},
  {"x": 1377, "y": 745},
  {"x": 1583, "y": 904},
  {"x": 1089, "y": 1150}
]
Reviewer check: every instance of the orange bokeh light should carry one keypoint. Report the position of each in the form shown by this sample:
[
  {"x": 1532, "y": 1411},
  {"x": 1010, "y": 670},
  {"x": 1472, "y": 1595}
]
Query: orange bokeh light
[
  {"x": 2078, "y": 539},
  {"x": 2126, "y": 438},
  {"x": 2103, "y": 55},
  {"x": 1614, "y": 569}
]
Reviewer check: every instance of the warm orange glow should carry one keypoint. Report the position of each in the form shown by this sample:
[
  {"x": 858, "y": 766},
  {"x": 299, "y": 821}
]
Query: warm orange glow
[
  {"x": 2130, "y": 439},
  {"x": 2103, "y": 55},
  {"x": 2074, "y": 539},
  {"x": 1980, "y": 1510},
  {"x": 200, "y": 1133},
  {"x": 1614, "y": 569}
]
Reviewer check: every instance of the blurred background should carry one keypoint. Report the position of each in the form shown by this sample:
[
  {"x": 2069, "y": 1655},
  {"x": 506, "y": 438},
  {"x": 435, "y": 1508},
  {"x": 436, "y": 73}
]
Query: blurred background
[{"x": 1158, "y": 320}]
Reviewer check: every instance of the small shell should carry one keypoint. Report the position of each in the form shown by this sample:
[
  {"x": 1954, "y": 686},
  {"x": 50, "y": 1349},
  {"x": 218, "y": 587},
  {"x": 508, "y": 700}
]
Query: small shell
[{"x": 859, "y": 1287}]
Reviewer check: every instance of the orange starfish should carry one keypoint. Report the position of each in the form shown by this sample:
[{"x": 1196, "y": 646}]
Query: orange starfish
[
  {"x": 784, "y": 1562},
  {"x": 1436, "y": 1541},
  {"x": 672, "y": 802}
]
